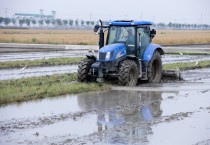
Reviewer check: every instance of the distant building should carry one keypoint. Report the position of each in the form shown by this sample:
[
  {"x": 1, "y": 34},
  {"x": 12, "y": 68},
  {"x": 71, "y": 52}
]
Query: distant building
[{"x": 35, "y": 16}]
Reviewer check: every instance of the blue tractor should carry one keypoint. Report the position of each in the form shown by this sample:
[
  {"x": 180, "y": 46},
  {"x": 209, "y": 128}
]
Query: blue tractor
[{"x": 129, "y": 54}]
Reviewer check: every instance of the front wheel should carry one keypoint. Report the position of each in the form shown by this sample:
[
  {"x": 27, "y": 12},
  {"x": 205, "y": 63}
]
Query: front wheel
[
  {"x": 83, "y": 70},
  {"x": 128, "y": 73},
  {"x": 155, "y": 68}
]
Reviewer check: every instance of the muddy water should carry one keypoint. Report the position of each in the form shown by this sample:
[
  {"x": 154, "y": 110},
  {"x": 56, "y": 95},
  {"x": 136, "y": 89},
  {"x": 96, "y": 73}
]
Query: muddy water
[
  {"x": 171, "y": 113},
  {"x": 41, "y": 55},
  {"x": 6, "y": 74},
  {"x": 59, "y": 54},
  {"x": 184, "y": 58},
  {"x": 49, "y": 70}
]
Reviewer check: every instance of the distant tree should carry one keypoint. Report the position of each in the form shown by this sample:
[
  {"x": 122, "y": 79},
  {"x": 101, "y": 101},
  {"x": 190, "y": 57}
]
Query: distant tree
[
  {"x": 71, "y": 22},
  {"x": 59, "y": 22},
  {"x": 82, "y": 22},
  {"x": 41, "y": 22},
  {"x": 161, "y": 25},
  {"x": 87, "y": 23},
  {"x": 92, "y": 23},
  {"x": 28, "y": 22},
  {"x": 47, "y": 21},
  {"x": 170, "y": 25},
  {"x": 65, "y": 22},
  {"x": 33, "y": 21},
  {"x": 174, "y": 25},
  {"x": 1, "y": 19},
  {"x": 195, "y": 26},
  {"x": 52, "y": 21},
  {"x": 13, "y": 21},
  {"x": 77, "y": 22},
  {"x": 188, "y": 26},
  {"x": 7, "y": 21},
  {"x": 21, "y": 22}
]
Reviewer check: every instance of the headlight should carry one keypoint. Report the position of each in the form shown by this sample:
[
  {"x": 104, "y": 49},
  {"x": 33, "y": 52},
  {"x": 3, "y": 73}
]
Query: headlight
[{"x": 107, "y": 55}]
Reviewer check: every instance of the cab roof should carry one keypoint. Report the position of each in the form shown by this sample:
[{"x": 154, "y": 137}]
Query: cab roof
[{"x": 129, "y": 23}]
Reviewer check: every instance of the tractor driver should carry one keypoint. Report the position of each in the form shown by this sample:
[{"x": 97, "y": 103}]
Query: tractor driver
[{"x": 130, "y": 39}]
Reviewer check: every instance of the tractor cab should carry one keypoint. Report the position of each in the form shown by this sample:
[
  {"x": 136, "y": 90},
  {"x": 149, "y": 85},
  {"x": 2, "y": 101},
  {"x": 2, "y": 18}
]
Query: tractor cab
[
  {"x": 122, "y": 34},
  {"x": 136, "y": 35},
  {"x": 128, "y": 45}
]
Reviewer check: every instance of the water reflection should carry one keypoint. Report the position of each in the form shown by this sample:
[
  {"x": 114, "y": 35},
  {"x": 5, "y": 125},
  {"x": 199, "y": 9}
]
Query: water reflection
[{"x": 123, "y": 115}]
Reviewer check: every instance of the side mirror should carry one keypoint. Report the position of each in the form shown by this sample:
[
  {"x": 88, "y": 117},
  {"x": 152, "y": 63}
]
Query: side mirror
[
  {"x": 96, "y": 27},
  {"x": 152, "y": 33}
]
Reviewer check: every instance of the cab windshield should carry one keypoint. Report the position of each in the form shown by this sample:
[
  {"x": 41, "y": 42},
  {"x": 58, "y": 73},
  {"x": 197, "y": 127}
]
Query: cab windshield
[{"x": 119, "y": 34}]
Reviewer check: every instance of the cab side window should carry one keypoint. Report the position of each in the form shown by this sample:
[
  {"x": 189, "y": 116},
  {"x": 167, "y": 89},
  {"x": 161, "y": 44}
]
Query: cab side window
[{"x": 143, "y": 39}]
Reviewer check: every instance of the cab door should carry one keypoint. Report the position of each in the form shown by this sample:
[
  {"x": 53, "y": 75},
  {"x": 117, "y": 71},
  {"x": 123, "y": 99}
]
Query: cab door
[{"x": 143, "y": 39}]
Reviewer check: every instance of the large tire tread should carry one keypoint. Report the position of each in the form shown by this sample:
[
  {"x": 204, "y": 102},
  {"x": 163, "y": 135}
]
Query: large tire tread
[
  {"x": 124, "y": 73},
  {"x": 83, "y": 70},
  {"x": 155, "y": 68}
]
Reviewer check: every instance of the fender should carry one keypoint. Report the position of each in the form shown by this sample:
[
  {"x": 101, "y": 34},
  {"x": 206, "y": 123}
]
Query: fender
[
  {"x": 151, "y": 48},
  {"x": 91, "y": 57}
]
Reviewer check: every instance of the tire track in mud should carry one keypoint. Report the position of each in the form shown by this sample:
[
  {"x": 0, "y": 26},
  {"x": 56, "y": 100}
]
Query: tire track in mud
[
  {"x": 17, "y": 126},
  {"x": 12, "y": 125},
  {"x": 104, "y": 135},
  {"x": 22, "y": 123}
]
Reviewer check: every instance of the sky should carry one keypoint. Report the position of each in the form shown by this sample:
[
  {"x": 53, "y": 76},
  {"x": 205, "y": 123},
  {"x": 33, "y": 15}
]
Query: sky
[{"x": 177, "y": 11}]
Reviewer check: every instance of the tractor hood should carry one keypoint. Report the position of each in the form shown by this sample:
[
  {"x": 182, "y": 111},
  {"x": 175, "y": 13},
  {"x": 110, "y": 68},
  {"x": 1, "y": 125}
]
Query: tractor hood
[
  {"x": 112, "y": 47},
  {"x": 114, "y": 50}
]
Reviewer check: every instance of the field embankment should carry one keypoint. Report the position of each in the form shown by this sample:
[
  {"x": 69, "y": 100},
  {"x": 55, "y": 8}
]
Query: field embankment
[
  {"x": 40, "y": 62},
  {"x": 41, "y": 87},
  {"x": 187, "y": 65},
  {"x": 88, "y": 37},
  {"x": 49, "y": 86}
]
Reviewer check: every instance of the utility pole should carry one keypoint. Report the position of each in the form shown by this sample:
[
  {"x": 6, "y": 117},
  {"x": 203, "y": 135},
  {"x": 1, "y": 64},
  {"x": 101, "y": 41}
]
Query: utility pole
[
  {"x": 201, "y": 18},
  {"x": 90, "y": 14},
  {"x": 5, "y": 12},
  {"x": 53, "y": 13}
]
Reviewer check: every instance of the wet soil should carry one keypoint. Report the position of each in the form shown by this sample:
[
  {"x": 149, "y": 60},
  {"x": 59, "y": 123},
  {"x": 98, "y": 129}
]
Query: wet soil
[
  {"x": 172, "y": 112},
  {"x": 17, "y": 73},
  {"x": 6, "y": 74},
  {"x": 168, "y": 113}
]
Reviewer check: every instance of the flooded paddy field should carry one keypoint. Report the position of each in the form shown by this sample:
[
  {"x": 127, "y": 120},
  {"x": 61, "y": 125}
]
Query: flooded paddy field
[
  {"x": 167, "y": 113},
  {"x": 16, "y": 73},
  {"x": 176, "y": 112},
  {"x": 6, "y": 74},
  {"x": 41, "y": 55}
]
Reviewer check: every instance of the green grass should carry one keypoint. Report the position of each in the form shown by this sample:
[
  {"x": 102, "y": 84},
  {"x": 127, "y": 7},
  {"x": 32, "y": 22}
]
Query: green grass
[
  {"x": 40, "y": 62},
  {"x": 189, "y": 53},
  {"x": 49, "y": 86},
  {"x": 41, "y": 87},
  {"x": 187, "y": 65}
]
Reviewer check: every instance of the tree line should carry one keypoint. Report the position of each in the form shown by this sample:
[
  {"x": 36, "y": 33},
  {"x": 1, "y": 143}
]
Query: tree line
[
  {"x": 180, "y": 26},
  {"x": 48, "y": 23},
  {"x": 78, "y": 23}
]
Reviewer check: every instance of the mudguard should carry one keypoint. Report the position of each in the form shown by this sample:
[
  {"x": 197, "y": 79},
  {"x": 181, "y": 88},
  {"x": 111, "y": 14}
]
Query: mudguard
[
  {"x": 91, "y": 57},
  {"x": 151, "y": 48}
]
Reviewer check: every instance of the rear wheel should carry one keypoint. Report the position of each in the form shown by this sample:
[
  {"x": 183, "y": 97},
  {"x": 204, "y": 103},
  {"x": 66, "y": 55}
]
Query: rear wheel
[
  {"x": 128, "y": 73},
  {"x": 83, "y": 74},
  {"x": 155, "y": 68}
]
